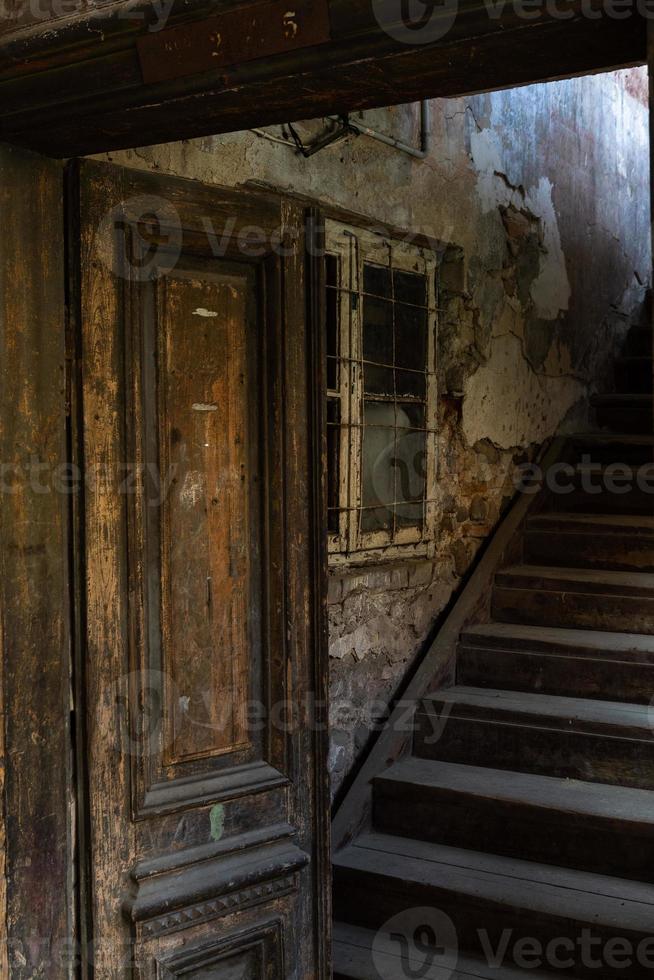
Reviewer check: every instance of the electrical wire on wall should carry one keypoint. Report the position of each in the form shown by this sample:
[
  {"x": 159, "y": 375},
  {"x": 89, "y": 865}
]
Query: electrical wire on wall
[{"x": 346, "y": 127}]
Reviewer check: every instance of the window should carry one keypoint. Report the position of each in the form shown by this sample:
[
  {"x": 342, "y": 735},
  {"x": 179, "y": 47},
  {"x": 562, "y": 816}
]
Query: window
[{"x": 381, "y": 401}]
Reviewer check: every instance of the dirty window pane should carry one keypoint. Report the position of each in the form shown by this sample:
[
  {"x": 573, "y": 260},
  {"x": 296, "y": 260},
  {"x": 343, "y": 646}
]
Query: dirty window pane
[
  {"x": 410, "y": 287},
  {"x": 409, "y": 461},
  {"x": 395, "y": 333},
  {"x": 410, "y": 415},
  {"x": 393, "y": 467},
  {"x": 378, "y": 380},
  {"x": 333, "y": 463},
  {"x": 389, "y": 374},
  {"x": 377, "y": 331},
  {"x": 409, "y": 515},
  {"x": 410, "y": 383},
  {"x": 377, "y": 280},
  {"x": 333, "y": 321},
  {"x": 410, "y": 337},
  {"x": 377, "y": 476}
]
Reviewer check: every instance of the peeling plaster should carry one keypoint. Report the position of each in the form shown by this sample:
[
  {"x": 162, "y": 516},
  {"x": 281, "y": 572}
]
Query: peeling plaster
[
  {"x": 510, "y": 405},
  {"x": 551, "y": 290}
]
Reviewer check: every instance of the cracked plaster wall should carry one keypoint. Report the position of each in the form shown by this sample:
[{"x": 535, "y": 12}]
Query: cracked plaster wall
[{"x": 543, "y": 194}]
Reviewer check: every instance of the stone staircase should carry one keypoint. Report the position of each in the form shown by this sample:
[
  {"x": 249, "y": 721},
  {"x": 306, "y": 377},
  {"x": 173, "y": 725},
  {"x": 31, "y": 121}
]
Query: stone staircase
[{"x": 523, "y": 810}]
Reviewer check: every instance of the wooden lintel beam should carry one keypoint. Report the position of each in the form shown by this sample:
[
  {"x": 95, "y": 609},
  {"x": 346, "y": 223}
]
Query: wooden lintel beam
[{"x": 108, "y": 95}]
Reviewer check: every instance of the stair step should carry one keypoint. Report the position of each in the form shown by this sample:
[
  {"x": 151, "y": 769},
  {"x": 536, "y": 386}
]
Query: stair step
[
  {"x": 606, "y": 449},
  {"x": 353, "y": 959},
  {"x": 602, "y": 541},
  {"x": 593, "y": 488},
  {"x": 571, "y": 738},
  {"x": 639, "y": 342},
  {"x": 568, "y": 663},
  {"x": 590, "y": 826},
  {"x": 634, "y": 374},
  {"x": 577, "y": 598},
  {"x": 629, "y": 412},
  {"x": 485, "y": 895}
]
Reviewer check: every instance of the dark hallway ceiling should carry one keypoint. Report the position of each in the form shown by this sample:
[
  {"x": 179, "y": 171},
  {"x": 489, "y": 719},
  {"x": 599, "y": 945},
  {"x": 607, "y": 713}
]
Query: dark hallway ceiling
[{"x": 102, "y": 80}]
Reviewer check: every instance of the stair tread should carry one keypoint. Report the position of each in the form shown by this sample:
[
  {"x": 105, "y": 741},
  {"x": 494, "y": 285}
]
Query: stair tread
[
  {"x": 545, "y": 576},
  {"x": 618, "y": 522},
  {"x": 616, "y": 718},
  {"x": 353, "y": 958},
  {"x": 597, "y": 801},
  {"x": 579, "y": 574},
  {"x": 603, "y": 901},
  {"x": 538, "y": 638}
]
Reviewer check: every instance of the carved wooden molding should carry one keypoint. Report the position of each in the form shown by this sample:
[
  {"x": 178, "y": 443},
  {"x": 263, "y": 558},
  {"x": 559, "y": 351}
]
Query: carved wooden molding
[
  {"x": 256, "y": 777},
  {"x": 172, "y": 901},
  {"x": 179, "y": 860},
  {"x": 256, "y": 951},
  {"x": 234, "y": 902}
]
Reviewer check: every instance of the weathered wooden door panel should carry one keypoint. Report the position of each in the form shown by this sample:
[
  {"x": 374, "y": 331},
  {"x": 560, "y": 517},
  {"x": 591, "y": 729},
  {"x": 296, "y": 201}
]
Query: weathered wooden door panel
[
  {"x": 205, "y": 765},
  {"x": 37, "y": 907}
]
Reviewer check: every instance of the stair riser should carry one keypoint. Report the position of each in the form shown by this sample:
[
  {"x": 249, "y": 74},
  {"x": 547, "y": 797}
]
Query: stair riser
[
  {"x": 513, "y": 830},
  {"x": 358, "y": 963},
  {"x": 610, "y": 453},
  {"x": 533, "y": 607},
  {"x": 590, "y": 550},
  {"x": 638, "y": 344},
  {"x": 542, "y": 751},
  {"x": 562, "y": 676},
  {"x": 625, "y": 419},
  {"x": 634, "y": 377},
  {"x": 635, "y": 502},
  {"x": 369, "y": 900}
]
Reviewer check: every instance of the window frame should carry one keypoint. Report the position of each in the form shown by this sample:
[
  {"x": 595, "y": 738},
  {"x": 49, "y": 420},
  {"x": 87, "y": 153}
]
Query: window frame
[{"x": 354, "y": 247}]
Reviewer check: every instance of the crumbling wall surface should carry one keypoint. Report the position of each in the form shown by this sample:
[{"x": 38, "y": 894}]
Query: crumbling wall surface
[{"x": 542, "y": 194}]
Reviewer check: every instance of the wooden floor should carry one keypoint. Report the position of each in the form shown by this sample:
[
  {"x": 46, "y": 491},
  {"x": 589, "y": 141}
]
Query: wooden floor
[{"x": 525, "y": 810}]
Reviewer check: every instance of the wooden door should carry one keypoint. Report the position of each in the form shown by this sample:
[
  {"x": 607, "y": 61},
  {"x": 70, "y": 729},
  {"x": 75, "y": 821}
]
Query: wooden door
[{"x": 200, "y": 663}]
